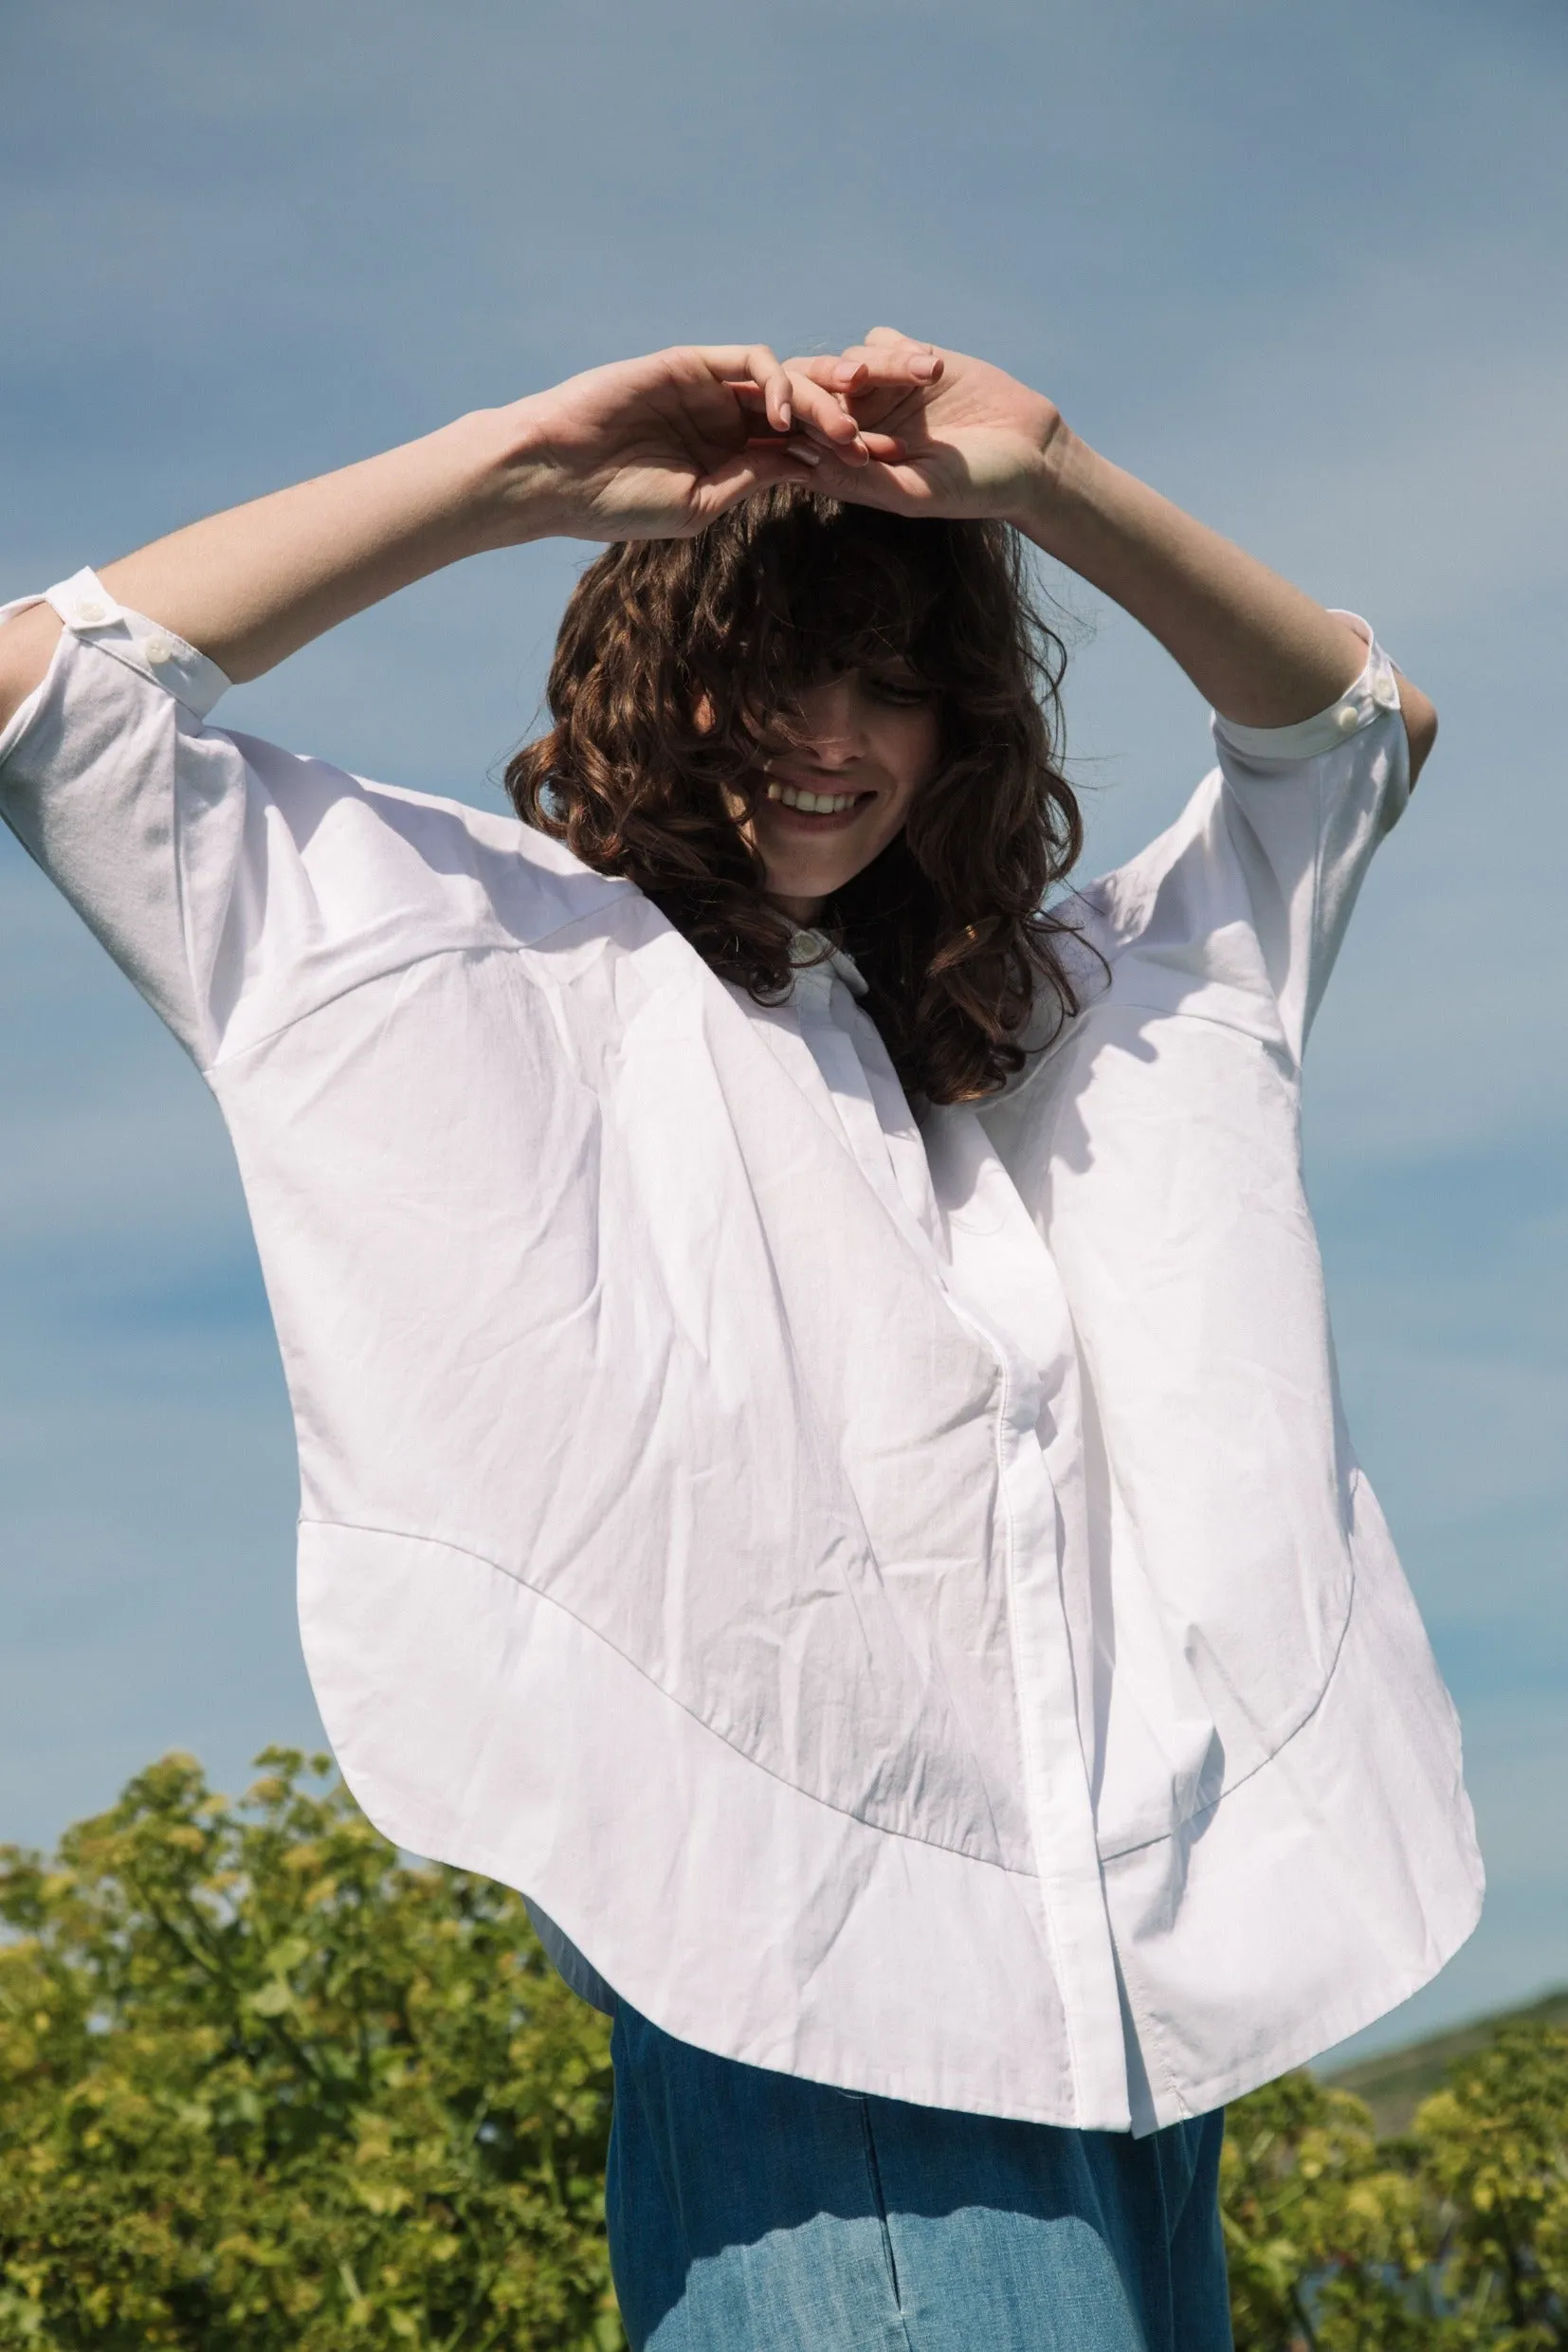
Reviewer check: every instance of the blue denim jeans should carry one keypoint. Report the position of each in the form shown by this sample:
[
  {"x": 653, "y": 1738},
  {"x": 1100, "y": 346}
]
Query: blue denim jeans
[{"x": 749, "y": 2210}]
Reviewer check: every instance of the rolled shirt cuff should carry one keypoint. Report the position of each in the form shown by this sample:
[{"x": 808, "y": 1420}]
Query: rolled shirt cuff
[
  {"x": 156, "y": 653},
  {"x": 1364, "y": 699}
]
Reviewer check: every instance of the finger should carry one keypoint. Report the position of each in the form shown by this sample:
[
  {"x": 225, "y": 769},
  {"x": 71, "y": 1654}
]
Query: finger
[
  {"x": 819, "y": 410},
  {"x": 884, "y": 446},
  {"x": 896, "y": 487},
  {"x": 812, "y": 407},
  {"x": 876, "y": 367},
  {"x": 762, "y": 367},
  {"x": 921, "y": 360},
  {"x": 807, "y": 452},
  {"x": 817, "y": 413},
  {"x": 866, "y": 367},
  {"x": 826, "y": 367}
]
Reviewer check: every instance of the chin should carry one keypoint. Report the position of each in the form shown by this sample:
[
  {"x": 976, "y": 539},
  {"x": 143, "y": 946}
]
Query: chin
[{"x": 787, "y": 885}]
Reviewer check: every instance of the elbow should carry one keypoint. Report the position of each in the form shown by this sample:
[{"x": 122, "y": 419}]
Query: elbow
[
  {"x": 1420, "y": 717},
  {"x": 27, "y": 641}
]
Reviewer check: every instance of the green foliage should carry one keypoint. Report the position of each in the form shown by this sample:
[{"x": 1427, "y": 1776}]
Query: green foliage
[
  {"x": 1495, "y": 2147},
  {"x": 1454, "y": 2239},
  {"x": 1325, "y": 2232},
  {"x": 262, "y": 2084}
]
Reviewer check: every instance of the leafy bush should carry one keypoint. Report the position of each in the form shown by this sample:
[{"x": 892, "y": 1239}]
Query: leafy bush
[
  {"x": 265, "y": 2085},
  {"x": 1493, "y": 2151},
  {"x": 1452, "y": 2239}
]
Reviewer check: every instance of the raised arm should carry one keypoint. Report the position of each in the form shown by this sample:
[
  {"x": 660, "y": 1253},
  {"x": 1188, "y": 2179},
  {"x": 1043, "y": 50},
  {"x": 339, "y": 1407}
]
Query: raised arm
[
  {"x": 977, "y": 441},
  {"x": 645, "y": 449}
]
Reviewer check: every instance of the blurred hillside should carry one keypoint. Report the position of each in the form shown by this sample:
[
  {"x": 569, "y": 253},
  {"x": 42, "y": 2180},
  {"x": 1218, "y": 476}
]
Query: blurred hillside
[{"x": 1394, "y": 2082}]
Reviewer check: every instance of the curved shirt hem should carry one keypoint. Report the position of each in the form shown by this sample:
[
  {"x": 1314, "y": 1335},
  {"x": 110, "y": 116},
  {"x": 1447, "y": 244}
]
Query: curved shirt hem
[{"x": 549, "y": 1600}]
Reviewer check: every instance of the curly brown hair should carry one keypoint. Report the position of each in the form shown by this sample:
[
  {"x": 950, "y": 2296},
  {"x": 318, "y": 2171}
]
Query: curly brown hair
[{"x": 676, "y": 671}]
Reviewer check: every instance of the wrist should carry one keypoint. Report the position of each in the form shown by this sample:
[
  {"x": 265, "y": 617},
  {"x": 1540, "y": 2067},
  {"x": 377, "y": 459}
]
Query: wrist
[
  {"x": 511, "y": 480},
  {"x": 1058, "y": 481}
]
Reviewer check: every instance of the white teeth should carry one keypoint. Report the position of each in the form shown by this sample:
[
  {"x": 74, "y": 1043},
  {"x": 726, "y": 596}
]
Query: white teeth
[{"x": 812, "y": 804}]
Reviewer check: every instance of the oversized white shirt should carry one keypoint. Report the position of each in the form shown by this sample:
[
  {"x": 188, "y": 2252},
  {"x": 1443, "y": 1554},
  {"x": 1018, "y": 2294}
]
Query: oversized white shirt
[{"x": 899, "y": 1595}]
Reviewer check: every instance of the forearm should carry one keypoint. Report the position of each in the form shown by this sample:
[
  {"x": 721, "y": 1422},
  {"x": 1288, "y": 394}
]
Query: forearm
[
  {"x": 1260, "y": 650},
  {"x": 251, "y": 586},
  {"x": 653, "y": 447}
]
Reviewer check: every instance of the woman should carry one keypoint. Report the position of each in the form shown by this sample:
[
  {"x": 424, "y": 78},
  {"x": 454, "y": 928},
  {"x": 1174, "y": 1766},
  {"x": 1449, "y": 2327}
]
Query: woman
[{"x": 820, "y": 1454}]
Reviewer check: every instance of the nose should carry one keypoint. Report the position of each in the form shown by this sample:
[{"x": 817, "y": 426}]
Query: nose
[{"x": 834, "y": 733}]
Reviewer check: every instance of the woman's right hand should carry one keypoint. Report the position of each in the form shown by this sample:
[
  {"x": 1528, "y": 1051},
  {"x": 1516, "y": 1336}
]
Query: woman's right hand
[{"x": 658, "y": 448}]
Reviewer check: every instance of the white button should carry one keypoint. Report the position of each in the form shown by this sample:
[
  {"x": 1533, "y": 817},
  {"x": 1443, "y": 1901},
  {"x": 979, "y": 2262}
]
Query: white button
[
  {"x": 1347, "y": 718},
  {"x": 90, "y": 614},
  {"x": 1386, "y": 694},
  {"x": 158, "y": 649}
]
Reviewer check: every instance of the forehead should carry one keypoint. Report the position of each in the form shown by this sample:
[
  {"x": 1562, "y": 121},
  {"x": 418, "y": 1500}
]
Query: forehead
[
  {"x": 830, "y": 640},
  {"x": 872, "y": 660},
  {"x": 856, "y": 589}
]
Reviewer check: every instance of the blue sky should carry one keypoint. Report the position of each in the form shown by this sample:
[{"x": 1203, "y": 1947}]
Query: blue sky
[{"x": 1304, "y": 267}]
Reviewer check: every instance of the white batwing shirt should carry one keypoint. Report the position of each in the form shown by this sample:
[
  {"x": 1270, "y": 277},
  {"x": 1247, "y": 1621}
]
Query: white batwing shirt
[{"x": 896, "y": 1593}]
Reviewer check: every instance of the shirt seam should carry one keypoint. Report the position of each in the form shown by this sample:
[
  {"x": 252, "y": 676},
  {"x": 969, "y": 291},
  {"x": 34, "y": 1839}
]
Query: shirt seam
[
  {"x": 1141, "y": 1845},
  {"x": 125, "y": 657},
  {"x": 1118, "y": 956},
  {"x": 1309, "y": 976},
  {"x": 880, "y": 1829},
  {"x": 1278, "y": 1049},
  {"x": 390, "y": 972}
]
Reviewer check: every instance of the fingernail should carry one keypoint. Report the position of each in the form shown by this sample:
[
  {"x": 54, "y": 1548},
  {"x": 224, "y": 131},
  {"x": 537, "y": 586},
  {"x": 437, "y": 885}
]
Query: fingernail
[
  {"x": 784, "y": 418},
  {"x": 804, "y": 451},
  {"x": 925, "y": 365}
]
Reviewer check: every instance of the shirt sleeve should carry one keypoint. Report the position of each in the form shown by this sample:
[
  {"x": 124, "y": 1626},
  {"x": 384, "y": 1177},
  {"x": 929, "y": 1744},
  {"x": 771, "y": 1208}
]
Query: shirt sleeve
[
  {"x": 110, "y": 781},
  {"x": 240, "y": 885},
  {"x": 1303, "y": 807}
]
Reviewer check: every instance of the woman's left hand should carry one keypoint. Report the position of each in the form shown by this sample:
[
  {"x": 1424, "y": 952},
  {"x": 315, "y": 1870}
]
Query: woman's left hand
[
  {"x": 945, "y": 436},
  {"x": 968, "y": 440}
]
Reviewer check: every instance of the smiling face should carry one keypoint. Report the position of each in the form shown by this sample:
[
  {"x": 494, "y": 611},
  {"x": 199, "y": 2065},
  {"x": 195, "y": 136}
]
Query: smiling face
[
  {"x": 821, "y": 714},
  {"x": 863, "y": 743}
]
